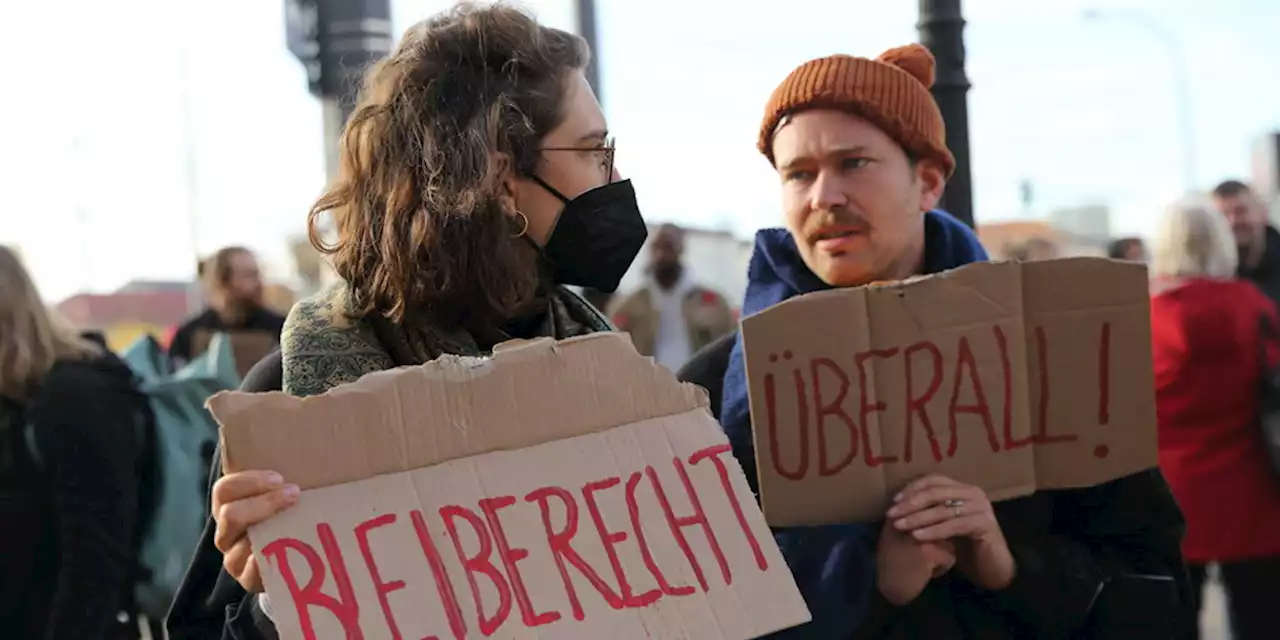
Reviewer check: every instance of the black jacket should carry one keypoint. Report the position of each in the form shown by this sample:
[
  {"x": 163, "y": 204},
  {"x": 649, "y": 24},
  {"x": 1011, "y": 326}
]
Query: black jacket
[
  {"x": 68, "y": 563},
  {"x": 1103, "y": 562},
  {"x": 181, "y": 348},
  {"x": 1266, "y": 274}
]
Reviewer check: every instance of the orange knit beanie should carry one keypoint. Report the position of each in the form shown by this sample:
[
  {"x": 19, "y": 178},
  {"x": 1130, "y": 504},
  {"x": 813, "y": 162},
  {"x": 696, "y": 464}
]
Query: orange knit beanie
[{"x": 891, "y": 92}]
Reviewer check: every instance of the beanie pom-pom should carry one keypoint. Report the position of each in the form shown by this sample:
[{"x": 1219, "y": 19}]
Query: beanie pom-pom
[{"x": 915, "y": 59}]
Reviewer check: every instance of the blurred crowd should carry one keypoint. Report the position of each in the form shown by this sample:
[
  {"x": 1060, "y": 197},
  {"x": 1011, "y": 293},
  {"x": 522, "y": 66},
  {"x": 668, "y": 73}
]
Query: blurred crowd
[{"x": 74, "y": 476}]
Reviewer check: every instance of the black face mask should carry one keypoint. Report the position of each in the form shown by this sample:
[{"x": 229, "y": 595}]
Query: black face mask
[{"x": 596, "y": 237}]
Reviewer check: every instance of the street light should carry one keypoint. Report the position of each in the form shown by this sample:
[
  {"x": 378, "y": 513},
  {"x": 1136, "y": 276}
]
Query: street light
[
  {"x": 589, "y": 30},
  {"x": 336, "y": 41},
  {"x": 585, "y": 15},
  {"x": 941, "y": 29},
  {"x": 1181, "y": 80},
  {"x": 190, "y": 164}
]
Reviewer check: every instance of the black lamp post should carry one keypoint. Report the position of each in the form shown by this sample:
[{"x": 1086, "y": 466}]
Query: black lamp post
[
  {"x": 336, "y": 40},
  {"x": 942, "y": 31},
  {"x": 585, "y": 11}
]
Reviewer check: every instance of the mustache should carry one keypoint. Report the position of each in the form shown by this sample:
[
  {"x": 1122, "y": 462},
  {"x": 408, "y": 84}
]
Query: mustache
[{"x": 846, "y": 219}]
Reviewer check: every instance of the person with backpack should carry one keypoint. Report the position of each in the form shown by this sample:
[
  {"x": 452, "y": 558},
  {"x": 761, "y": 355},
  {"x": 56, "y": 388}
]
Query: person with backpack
[{"x": 69, "y": 498}]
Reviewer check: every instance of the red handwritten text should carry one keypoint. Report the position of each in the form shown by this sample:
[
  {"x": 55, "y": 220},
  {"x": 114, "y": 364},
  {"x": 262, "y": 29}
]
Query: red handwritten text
[
  {"x": 821, "y": 391},
  {"x": 490, "y": 563}
]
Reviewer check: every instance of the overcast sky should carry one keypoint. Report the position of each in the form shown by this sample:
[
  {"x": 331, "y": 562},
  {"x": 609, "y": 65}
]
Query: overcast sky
[{"x": 94, "y": 168}]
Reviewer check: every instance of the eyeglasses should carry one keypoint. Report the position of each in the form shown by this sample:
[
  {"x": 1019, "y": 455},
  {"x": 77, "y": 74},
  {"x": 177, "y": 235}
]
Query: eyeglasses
[{"x": 607, "y": 151}]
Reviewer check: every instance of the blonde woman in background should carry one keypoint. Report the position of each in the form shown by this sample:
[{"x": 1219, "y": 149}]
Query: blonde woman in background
[
  {"x": 68, "y": 479},
  {"x": 1208, "y": 361}
]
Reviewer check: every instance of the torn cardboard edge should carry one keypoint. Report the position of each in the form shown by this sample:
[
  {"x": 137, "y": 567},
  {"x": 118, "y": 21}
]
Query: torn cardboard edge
[
  {"x": 363, "y": 419},
  {"x": 567, "y": 489},
  {"x": 1094, "y": 265}
]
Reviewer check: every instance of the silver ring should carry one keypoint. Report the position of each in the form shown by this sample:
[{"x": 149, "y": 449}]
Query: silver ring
[{"x": 955, "y": 504}]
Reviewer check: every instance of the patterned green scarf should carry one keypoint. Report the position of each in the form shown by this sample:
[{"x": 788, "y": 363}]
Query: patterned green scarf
[{"x": 322, "y": 347}]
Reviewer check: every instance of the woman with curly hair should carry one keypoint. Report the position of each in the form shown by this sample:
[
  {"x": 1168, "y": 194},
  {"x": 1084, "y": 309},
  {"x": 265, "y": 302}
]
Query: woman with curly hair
[{"x": 476, "y": 181}]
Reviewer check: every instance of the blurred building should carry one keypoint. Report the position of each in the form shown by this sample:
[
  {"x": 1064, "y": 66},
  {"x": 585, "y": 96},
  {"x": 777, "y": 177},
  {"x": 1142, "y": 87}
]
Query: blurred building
[
  {"x": 146, "y": 307},
  {"x": 312, "y": 270},
  {"x": 1266, "y": 166},
  {"x": 1015, "y": 238},
  {"x": 1085, "y": 226},
  {"x": 1001, "y": 239},
  {"x": 138, "y": 308}
]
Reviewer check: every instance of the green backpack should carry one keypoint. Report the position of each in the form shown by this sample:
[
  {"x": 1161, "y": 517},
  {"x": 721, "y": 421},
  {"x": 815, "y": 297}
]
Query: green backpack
[{"x": 180, "y": 442}]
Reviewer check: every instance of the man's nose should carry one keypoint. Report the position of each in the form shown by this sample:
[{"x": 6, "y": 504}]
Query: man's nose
[{"x": 828, "y": 192}]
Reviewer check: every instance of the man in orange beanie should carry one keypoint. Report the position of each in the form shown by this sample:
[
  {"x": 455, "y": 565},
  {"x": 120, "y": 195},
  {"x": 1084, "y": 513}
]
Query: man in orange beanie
[{"x": 859, "y": 147}]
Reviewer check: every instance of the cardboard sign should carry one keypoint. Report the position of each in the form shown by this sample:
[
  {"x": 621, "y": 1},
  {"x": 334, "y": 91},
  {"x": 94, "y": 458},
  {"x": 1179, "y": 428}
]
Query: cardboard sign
[
  {"x": 248, "y": 346},
  {"x": 566, "y": 489},
  {"x": 1009, "y": 376}
]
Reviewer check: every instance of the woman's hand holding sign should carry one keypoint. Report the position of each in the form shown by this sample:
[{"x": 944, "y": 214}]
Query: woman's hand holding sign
[
  {"x": 935, "y": 508},
  {"x": 241, "y": 500}
]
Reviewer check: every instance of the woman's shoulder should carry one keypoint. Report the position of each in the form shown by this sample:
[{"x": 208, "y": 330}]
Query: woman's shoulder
[
  {"x": 92, "y": 395},
  {"x": 1203, "y": 293},
  {"x": 96, "y": 372},
  {"x": 323, "y": 345},
  {"x": 323, "y": 313},
  {"x": 1255, "y": 297}
]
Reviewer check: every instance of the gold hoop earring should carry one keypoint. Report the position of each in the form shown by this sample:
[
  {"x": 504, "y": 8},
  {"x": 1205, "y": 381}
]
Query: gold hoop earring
[{"x": 524, "y": 225}]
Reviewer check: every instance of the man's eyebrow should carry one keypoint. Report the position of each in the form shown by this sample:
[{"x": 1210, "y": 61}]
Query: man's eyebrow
[
  {"x": 839, "y": 152},
  {"x": 848, "y": 151},
  {"x": 794, "y": 163}
]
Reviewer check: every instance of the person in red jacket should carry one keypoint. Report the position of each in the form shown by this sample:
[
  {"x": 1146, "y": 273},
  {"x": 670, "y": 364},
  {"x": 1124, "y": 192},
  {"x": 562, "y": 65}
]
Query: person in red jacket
[{"x": 1208, "y": 357}]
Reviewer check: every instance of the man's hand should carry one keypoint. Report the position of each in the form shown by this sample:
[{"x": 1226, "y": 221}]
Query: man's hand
[
  {"x": 904, "y": 566},
  {"x": 936, "y": 508}
]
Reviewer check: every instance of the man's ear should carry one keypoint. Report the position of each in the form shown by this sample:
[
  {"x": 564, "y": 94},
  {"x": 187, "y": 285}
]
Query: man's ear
[
  {"x": 505, "y": 175},
  {"x": 932, "y": 183}
]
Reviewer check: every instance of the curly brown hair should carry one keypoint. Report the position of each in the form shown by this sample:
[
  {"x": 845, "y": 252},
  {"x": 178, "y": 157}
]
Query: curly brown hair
[{"x": 421, "y": 234}]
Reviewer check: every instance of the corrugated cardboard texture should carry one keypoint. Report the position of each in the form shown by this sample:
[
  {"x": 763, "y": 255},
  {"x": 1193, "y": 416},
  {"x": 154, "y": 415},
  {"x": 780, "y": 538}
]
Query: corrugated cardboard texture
[
  {"x": 454, "y": 407},
  {"x": 459, "y": 459},
  {"x": 943, "y": 374}
]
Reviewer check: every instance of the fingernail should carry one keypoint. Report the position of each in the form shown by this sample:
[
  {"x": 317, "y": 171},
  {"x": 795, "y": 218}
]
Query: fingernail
[
  {"x": 900, "y": 524},
  {"x": 898, "y": 497},
  {"x": 291, "y": 490},
  {"x": 274, "y": 478}
]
